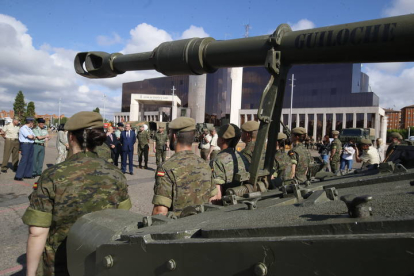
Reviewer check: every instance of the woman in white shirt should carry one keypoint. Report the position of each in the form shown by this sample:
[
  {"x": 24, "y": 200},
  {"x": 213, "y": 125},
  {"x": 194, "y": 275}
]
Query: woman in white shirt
[{"x": 347, "y": 157}]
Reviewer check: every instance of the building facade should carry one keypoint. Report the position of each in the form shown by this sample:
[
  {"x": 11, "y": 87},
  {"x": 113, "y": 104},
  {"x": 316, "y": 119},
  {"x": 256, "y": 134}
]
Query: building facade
[
  {"x": 394, "y": 118},
  {"x": 407, "y": 116}
]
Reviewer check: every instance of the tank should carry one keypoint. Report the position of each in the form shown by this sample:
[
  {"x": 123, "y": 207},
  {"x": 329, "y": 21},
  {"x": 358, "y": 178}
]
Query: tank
[{"x": 358, "y": 224}]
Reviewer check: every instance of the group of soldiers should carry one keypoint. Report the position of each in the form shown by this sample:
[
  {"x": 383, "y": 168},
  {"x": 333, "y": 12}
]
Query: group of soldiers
[{"x": 30, "y": 141}]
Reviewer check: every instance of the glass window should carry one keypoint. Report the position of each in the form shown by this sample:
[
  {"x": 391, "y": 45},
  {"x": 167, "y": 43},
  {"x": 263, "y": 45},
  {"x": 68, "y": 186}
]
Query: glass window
[
  {"x": 293, "y": 121},
  {"x": 371, "y": 120},
  {"x": 310, "y": 125},
  {"x": 360, "y": 120},
  {"x": 286, "y": 119},
  {"x": 319, "y": 125},
  {"x": 329, "y": 118},
  {"x": 302, "y": 120},
  {"x": 349, "y": 120},
  {"x": 339, "y": 120}
]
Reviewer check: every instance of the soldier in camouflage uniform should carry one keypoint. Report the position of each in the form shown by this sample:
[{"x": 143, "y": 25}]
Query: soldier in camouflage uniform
[
  {"x": 82, "y": 184},
  {"x": 300, "y": 156},
  {"x": 283, "y": 163},
  {"x": 229, "y": 161},
  {"x": 249, "y": 134},
  {"x": 395, "y": 138},
  {"x": 184, "y": 180},
  {"x": 336, "y": 148},
  {"x": 160, "y": 145},
  {"x": 104, "y": 152},
  {"x": 143, "y": 137}
]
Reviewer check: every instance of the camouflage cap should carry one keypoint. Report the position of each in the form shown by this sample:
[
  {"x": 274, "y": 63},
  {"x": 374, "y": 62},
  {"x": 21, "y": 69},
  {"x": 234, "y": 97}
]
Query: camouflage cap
[
  {"x": 335, "y": 132},
  {"x": 84, "y": 119},
  {"x": 183, "y": 124},
  {"x": 229, "y": 131},
  {"x": 366, "y": 141},
  {"x": 396, "y": 135},
  {"x": 250, "y": 126},
  {"x": 281, "y": 136},
  {"x": 299, "y": 130}
]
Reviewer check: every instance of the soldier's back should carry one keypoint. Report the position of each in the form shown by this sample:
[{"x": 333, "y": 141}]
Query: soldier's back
[{"x": 302, "y": 158}]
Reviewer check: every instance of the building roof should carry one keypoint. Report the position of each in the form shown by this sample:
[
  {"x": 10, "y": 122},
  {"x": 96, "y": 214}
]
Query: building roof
[
  {"x": 410, "y": 106},
  {"x": 390, "y": 110}
]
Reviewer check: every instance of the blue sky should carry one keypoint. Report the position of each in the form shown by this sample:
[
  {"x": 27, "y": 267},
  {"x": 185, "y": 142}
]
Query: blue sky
[{"x": 42, "y": 37}]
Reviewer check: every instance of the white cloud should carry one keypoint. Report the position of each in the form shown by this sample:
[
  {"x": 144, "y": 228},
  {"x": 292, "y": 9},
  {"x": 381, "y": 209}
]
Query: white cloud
[
  {"x": 393, "y": 90},
  {"x": 302, "y": 24},
  {"x": 388, "y": 67},
  {"x": 194, "y": 31},
  {"x": 46, "y": 74},
  {"x": 399, "y": 7},
  {"x": 107, "y": 41}
]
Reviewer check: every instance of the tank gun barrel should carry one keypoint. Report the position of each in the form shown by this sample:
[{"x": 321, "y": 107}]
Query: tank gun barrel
[{"x": 381, "y": 40}]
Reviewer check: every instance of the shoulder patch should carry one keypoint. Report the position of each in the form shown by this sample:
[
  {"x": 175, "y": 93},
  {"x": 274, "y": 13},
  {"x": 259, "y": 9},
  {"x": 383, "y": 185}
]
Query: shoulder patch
[
  {"x": 160, "y": 173},
  {"x": 35, "y": 186},
  {"x": 291, "y": 152}
]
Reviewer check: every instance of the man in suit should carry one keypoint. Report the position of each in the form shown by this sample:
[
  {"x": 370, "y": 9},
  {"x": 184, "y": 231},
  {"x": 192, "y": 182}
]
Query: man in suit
[
  {"x": 112, "y": 143},
  {"x": 128, "y": 139}
]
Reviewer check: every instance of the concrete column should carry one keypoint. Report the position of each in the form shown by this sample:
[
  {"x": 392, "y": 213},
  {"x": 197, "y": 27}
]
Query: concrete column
[
  {"x": 383, "y": 132},
  {"x": 354, "y": 121},
  {"x": 306, "y": 121},
  {"x": 197, "y": 97},
  {"x": 343, "y": 120},
  {"x": 174, "y": 109},
  {"x": 236, "y": 75},
  {"x": 333, "y": 121},
  {"x": 377, "y": 125},
  {"x": 245, "y": 117},
  {"x": 324, "y": 125},
  {"x": 315, "y": 126},
  {"x": 365, "y": 119},
  {"x": 134, "y": 110}
]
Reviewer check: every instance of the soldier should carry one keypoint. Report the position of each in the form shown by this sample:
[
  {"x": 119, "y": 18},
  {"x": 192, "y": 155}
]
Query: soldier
[
  {"x": 26, "y": 139},
  {"x": 205, "y": 139},
  {"x": 283, "y": 163},
  {"x": 249, "y": 134},
  {"x": 11, "y": 145},
  {"x": 301, "y": 157},
  {"x": 160, "y": 145},
  {"x": 82, "y": 184},
  {"x": 118, "y": 136},
  {"x": 41, "y": 137},
  {"x": 185, "y": 179},
  {"x": 395, "y": 138},
  {"x": 143, "y": 140},
  {"x": 336, "y": 147},
  {"x": 229, "y": 161}
]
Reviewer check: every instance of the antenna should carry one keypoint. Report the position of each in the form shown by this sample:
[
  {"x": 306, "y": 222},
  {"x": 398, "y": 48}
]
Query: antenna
[{"x": 247, "y": 27}]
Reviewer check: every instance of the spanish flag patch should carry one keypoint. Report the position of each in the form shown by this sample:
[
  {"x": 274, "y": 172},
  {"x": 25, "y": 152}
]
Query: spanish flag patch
[
  {"x": 160, "y": 173},
  {"x": 35, "y": 186}
]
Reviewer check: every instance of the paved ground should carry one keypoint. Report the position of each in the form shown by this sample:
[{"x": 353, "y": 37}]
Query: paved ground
[{"x": 14, "y": 201}]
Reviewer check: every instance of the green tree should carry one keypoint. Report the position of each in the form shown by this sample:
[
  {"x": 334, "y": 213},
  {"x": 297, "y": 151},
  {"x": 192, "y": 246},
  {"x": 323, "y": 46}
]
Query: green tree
[
  {"x": 96, "y": 110},
  {"x": 63, "y": 120},
  {"x": 30, "y": 111},
  {"x": 19, "y": 106}
]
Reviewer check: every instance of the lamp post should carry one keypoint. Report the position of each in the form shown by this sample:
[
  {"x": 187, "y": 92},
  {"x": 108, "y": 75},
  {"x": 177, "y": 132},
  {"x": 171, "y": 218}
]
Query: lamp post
[
  {"x": 59, "y": 109},
  {"x": 291, "y": 100},
  {"x": 172, "y": 107}
]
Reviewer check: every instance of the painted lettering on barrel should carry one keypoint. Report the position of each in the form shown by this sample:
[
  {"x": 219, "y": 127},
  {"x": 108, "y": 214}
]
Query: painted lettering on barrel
[{"x": 355, "y": 36}]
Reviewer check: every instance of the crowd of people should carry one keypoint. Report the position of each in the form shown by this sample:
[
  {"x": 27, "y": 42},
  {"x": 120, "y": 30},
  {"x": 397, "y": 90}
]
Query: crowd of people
[{"x": 86, "y": 177}]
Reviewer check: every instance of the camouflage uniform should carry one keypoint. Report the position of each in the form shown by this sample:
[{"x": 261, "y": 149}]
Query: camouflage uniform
[
  {"x": 160, "y": 140},
  {"x": 227, "y": 163},
  {"x": 336, "y": 158},
  {"x": 247, "y": 152},
  {"x": 82, "y": 184},
  {"x": 181, "y": 181},
  {"x": 283, "y": 165},
  {"x": 104, "y": 152},
  {"x": 302, "y": 158},
  {"x": 143, "y": 140}
]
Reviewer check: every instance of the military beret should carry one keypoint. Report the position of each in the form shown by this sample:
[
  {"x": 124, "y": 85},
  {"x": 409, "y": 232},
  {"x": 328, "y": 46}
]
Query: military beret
[
  {"x": 396, "y": 135},
  {"x": 41, "y": 120},
  {"x": 229, "y": 131},
  {"x": 299, "y": 130},
  {"x": 161, "y": 127},
  {"x": 142, "y": 126},
  {"x": 205, "y": 129},
  {"x": 250, "y": 126},
  {"x": 281, "y": 136},
  {"x": 84, "y": 119},
  {"x": 29, "y": 119},
  {"x": 335, "y": 132},
  {"x": 183, "y": 124},
  {"x": 366, "y": 141},
  {"x": 120, "y": 124}
]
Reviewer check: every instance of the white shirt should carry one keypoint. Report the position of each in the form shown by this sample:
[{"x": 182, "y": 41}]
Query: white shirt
[
  {"x": 213, "y": 142},
  {"x": 370, "y": 156},
  {"x": 348, "y": 153},
  {"x": 205, "y": 143}
]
